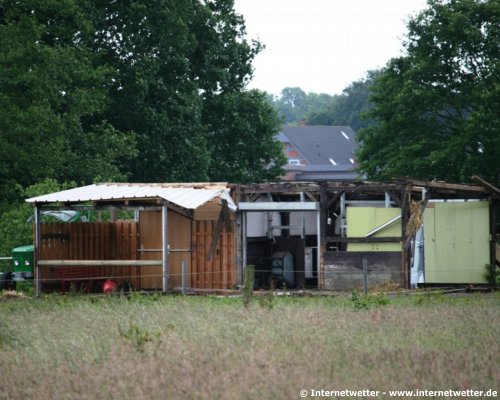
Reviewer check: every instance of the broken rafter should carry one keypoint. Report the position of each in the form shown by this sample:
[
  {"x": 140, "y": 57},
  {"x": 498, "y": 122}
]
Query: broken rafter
[
  {"x": 282, "y": 188},
  {"x": 394, "y": 198},
  {"x": 486, "y": 184},
  {"x": 224, "y": 219},
  {"x": 448, "y": 186},
  {"x": 369, "y": 239}
]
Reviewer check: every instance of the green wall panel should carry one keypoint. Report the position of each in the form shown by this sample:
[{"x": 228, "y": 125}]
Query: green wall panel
[
  {"x": 361, "y": 220},
  {"x": 456, "y": 246}
]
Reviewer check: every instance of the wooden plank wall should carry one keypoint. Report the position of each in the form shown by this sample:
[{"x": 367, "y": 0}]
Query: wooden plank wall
[
  {"x": 220, "y": 272},
  {"x": 121, "y": 240},
  {"x": 90, "y": 241},
  {"x": 179, "y": 238}
]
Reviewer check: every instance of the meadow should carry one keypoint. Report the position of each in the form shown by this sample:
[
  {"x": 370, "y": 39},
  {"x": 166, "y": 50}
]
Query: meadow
[{"x": 174, "y": 347}]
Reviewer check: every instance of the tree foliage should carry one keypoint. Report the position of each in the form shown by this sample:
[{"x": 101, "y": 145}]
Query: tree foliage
[
  {"x": 294, "y": 105},
  {"x": 436, "y": 108},
  {"x": 123, "y": 90},
  {"x": 174, "y": 59},
  {"x": 238, "y": 125},
  {"x": 53, "y": 98},
  {"x": 14, "y": 229},
  {"x": 148, "y": 91},
  {"x": 349, "y": 108}
]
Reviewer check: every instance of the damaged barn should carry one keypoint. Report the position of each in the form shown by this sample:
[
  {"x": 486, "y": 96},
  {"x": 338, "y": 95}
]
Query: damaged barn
[
  {"x": 319, "y": 235},
  {"x": 328, "y": 230}
]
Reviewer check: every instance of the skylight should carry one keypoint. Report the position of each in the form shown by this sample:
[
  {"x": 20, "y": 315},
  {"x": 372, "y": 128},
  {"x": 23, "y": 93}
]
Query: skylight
[
  {"x": 332, "y": 161},
  {"x": 344, "y": 134},
  {"x": 351, "y": 160}
]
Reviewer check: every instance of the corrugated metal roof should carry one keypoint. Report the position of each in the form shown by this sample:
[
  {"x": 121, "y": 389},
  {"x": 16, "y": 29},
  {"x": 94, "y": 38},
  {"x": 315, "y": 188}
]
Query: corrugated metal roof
[{"x": 181, "y": 195}]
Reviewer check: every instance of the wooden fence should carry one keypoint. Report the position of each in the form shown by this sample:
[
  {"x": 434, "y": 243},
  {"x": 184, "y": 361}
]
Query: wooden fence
[
  {"x": 119, "y": 241},
  {"x": 90, "y": 241},
  {"x": 220, "y": 271}
]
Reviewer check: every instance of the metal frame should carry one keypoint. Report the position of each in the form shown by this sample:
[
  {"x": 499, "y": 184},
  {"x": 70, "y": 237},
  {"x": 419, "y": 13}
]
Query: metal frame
[{"x": 246, "y": 207}]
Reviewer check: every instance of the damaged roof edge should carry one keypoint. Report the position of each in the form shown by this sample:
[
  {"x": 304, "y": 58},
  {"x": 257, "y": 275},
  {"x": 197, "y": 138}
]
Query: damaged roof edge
[{"x": 187, "y": 196}]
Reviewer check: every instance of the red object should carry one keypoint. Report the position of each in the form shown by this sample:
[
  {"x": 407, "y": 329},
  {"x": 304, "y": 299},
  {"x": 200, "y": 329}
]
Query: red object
[{"x": 109, "y": 286}]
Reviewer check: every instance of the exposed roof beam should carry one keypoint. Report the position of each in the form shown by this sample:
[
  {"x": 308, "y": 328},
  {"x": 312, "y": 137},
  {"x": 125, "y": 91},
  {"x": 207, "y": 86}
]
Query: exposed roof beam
[{"x": 279, "y": 206}]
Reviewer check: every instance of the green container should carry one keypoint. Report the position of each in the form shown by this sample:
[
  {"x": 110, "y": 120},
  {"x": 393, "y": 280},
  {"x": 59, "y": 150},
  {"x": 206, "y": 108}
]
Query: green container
[{"x": 23, "y": 262}]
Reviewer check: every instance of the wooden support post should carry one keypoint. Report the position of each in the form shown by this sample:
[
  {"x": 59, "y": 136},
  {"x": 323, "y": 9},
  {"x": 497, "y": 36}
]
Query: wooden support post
[
  {"x": 406, "y": 250},
  {"x": 365, "y": 275},
  {"x": 249, "y": 284},
  {"x": 323, "y": 200}
]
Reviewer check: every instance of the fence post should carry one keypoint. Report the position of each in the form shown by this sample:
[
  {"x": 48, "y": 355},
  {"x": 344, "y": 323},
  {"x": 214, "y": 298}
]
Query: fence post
[
  {"x": 249, "y": 283},
  {"x": 365, "y": 275},
  {"x": 183, "y": 277}
]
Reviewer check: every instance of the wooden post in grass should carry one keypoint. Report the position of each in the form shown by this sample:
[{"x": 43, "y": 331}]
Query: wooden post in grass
[
  {"x": 365, "y": 275},
  {"x": 248, "y": 285},
  {"x": 183, "y": 265}
]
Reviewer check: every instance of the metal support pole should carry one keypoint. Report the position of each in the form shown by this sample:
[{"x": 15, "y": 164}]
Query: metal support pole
[
  {"x": 387, "y": 200},
  {"x": 183, "y": 277},
  {"x": 302, "y": 219},
  {"x": 37, "y": 272},
  {"x": 244, "y": 224},
  {"x": 164, "y": 227}
]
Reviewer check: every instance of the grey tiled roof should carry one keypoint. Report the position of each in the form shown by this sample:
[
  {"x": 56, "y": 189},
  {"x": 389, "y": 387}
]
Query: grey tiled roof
[{"x": 319, "y": 144}]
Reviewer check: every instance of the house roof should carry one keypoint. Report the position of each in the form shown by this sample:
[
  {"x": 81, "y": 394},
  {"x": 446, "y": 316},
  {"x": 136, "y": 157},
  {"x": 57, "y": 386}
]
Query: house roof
[
  {"x": 187, "y": 196},
  {"x": 323, "y": 145}
]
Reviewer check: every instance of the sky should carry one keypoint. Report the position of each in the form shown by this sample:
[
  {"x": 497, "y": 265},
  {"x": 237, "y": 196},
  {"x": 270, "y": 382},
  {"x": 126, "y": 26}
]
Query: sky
[{"x": 322, "y": 46}]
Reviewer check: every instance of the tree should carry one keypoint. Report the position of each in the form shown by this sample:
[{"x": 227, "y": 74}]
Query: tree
[
  {"x": 174, "y": 60},
  {"x": 349, "y": 108},
  {"x": 14, "y": 229},
  {"x": 294, "y": 105},
  {"x": 436, "y": 108},
  {"x": 238, "y": 131},
  {"x": 53, "y": 98},
  {"x": 116, "y": 90}
]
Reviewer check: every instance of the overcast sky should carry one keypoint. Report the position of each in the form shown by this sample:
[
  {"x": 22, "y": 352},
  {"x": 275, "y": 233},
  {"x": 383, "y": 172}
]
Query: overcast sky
[{"x": 323, "y": 45}]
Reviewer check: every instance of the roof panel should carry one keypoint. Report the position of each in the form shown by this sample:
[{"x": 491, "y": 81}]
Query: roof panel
[{"x": 183, "y": 196}]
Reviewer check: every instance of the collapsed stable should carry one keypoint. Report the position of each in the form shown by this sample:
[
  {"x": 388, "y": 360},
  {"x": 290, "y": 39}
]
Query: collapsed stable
[{"x": 303, "y": 235}]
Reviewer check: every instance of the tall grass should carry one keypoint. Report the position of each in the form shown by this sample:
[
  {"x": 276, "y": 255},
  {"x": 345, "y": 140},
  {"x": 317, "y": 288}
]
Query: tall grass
[{"x": 63, "y": 347}]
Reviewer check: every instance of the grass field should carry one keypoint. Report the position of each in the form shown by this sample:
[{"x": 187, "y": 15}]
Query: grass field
[{"x": 173, "y": 347}]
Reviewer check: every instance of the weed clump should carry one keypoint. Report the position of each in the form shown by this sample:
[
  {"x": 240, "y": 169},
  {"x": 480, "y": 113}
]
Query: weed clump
[
  {"x": 362, "y": 302},
  {"x": 267, "y": 300},
  {"x": 138, "y": 336}
]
